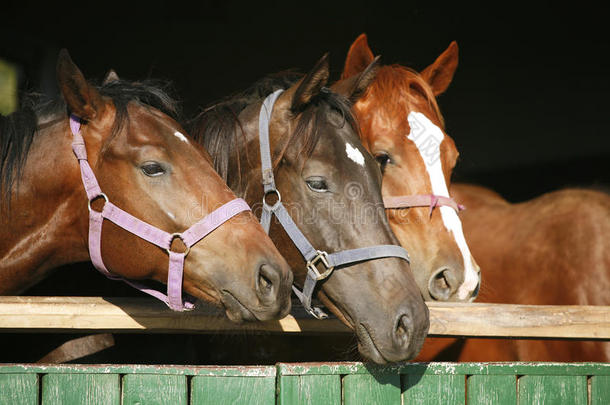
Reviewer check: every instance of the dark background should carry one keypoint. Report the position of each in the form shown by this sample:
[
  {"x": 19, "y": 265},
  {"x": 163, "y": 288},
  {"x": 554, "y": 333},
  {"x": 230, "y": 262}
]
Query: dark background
[{"x": 528, "y": 108}]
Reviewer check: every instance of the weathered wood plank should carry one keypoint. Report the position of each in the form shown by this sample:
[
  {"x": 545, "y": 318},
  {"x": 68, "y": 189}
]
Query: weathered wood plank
[
  {"x": 513, "y": 368},
  {"x": 18, "y": 389},
  {"x": 63, "y": 314},
  {"x": 86, "y": 389},
  {"x": 600, "y": 390},
  {"x": 233, "y": 390},
  {"x": 154, "y": 389},
  {"x": 309, "y": 389},
  {"x": 371, "y": 389},
  {"x": 434, "y": 389},
  {"x": 492, "y": 389},
  {"x": 556, "y": 390}
]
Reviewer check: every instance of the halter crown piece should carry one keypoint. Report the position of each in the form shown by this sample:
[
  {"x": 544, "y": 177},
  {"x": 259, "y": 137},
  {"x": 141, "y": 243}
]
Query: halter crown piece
[
  {"x": 150, "y": 233},
  {"x": 313, "y": 257}
]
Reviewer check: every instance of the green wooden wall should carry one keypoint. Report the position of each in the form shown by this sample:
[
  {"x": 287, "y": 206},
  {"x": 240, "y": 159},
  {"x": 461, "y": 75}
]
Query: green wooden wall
[{"x": 303, "y": 383}]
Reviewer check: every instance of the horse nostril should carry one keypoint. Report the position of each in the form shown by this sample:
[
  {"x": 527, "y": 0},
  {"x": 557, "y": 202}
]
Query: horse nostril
[
  {"x": 475, "y": 292},
  {"x": 268, "y": 278},
  {"x": 442, "y": 284},
  {"x": 403, "y": 331}
]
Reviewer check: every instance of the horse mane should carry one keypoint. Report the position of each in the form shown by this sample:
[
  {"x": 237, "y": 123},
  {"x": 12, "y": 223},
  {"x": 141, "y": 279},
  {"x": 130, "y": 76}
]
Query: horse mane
[
  {"x": 396, "y": 83},
  {"x": 18, "y": 130},
  {"x": 220, "y": 131}
]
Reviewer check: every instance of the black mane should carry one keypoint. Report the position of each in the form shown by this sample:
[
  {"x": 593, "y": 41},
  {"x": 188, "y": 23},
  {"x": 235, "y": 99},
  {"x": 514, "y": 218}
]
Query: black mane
[
  {"x": 218, "y": 127},
  {"x": 18, "y": 130}
]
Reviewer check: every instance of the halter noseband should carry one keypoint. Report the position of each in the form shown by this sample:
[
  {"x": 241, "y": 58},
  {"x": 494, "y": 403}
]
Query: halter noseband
[
  {"x": 150, "y": 233},
  {"x": 312, "y": 256},
  {"x": 421, "y": 200}
]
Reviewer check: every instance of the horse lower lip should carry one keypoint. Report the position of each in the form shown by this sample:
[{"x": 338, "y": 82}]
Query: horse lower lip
[{"x": 366, "y": 342}]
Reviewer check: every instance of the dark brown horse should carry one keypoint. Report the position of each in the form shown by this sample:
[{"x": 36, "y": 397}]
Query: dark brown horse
[
  {"x": 332, "y": 188},
  {"x": 402, "y": 127},
  {"x": 552, "y": 250},
  {"x": 147, "y": 166}
]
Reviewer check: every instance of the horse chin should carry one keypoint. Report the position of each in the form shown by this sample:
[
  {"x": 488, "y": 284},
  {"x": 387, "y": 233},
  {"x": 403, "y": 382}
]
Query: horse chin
[{"x": 235, "y": 310}]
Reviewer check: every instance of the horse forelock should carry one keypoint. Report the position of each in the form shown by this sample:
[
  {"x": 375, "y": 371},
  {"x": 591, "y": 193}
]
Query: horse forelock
[
  {"x": 219, "y": 128},
  {"x": 399, "y": 89}
]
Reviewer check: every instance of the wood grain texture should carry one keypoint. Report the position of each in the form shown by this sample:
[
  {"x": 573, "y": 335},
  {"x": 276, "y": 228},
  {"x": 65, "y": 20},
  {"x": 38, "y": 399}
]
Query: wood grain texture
[
  {"x": 434, "y": 389},
  {"x": 233, "y": 390},
  {"x": 371, "y": 389},
  {"x": 556, "y": 390},
  {"x": 310, "y": 390},
  {"x": 154, "y": 389},
  {"x": 77, "y": 389},
  {"x": 491, "y": 389},
  {"x": 600, "y": 390},
  {"x": 18, "y": 389},
  {"x": 72, "y": 314}
]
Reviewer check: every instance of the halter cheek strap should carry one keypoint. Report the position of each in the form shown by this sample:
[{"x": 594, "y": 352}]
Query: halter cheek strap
[
  {"x": 312, "y": 256},
  {"x": 144, "y": 230}
]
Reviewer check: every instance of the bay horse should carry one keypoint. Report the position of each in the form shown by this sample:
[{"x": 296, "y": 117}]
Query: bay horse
[
  {"x": 130, "y": 153},
  {"x": 552, "y": 250},
  {"x": 331, "y": 187},
  {"x": 402, "y": 127}
]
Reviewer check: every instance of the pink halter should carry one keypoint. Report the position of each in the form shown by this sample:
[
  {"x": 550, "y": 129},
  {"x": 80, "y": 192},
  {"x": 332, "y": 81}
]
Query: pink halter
[
  {"x": 144, "y": 230},
  {"x": 421, "y": 200}
]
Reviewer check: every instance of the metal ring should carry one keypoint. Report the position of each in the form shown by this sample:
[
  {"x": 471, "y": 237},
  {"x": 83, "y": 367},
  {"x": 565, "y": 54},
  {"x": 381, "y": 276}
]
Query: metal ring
[
  {"x": 104, "y": 196},
  {"x": 179, "y": 236},
  {"x": 277, "y": 203}
]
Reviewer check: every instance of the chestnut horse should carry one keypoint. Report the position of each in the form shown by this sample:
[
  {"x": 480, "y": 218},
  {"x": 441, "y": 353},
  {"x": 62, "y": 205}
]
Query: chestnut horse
[
  {"x": 552, "y": 250},
  {"x": 147, "y": 166},
  {"x": 332, "y": 188},
  {"x": 401, "y": 126}
]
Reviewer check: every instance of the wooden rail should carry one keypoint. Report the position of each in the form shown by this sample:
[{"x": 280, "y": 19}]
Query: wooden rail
[{"x": 129, "y": 315}]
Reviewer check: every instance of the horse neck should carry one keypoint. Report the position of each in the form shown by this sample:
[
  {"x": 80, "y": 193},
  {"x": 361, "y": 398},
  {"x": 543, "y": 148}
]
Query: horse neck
[{"x": 45, "y": 225}]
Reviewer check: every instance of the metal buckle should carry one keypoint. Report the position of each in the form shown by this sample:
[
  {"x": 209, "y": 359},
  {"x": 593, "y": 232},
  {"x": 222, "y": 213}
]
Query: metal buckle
[
  {"x": 179, "y": 236},
  {"x": 104, "y": 196},
  {"x": 277, "y": 203},
  {"x": 320, "y": 257}
]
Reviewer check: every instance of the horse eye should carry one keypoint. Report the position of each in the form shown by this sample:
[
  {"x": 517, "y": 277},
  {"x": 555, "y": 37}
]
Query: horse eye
[
  {"x": 152, "y": 169},
  {"x": 317, "y": 184},
  {"x": 383, "y": 159}
]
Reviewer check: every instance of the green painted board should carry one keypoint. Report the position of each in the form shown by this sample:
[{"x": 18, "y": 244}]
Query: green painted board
[
  {"x": 600, "y": 390},
  {"x": 434, "y": 389},
  {"x": 18, "y": 389},
  {"x": 74, "y": 389},
  {"x": 309, "y": 389},
  {"x": 232, "y": 390},
  {"x": 555, "y": 390},
  {"x": 491, "y": 389},
  {"x": 371, "y": 389},
  {"x": 153, "y": 389}
]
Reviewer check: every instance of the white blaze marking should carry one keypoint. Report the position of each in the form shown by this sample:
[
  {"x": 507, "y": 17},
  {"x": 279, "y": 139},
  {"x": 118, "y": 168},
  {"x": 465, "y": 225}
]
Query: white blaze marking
[
  {"x": 354, "y": 154},
  {"x": 180, "y": 136},
  {"x": 428, "y": 137}
]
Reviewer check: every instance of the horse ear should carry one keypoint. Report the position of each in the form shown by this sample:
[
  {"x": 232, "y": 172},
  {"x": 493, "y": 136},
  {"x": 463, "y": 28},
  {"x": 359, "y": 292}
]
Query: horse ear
[
  {"x": 82, "y": 98},
  {"x": 111, "y": 76},
  {"x": 359, "y": 57},
  {"x": 311, "y": 84},
  {"x": 354, "y": 87},
  {"x": 440, "y": 73}
]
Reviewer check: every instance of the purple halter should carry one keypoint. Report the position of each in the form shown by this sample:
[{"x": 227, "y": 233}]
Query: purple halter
[
  {"x": 152, "y": 234},
  {"x": 421, "y": 200}
]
